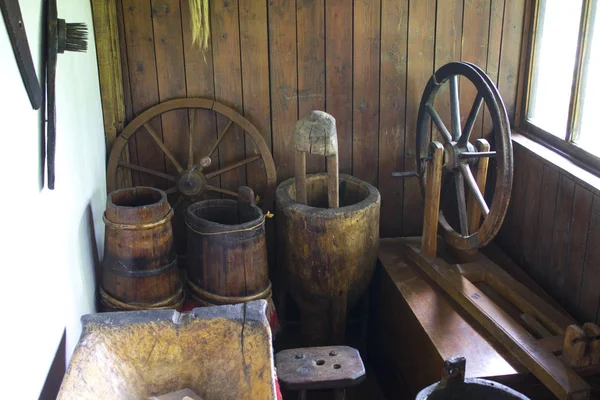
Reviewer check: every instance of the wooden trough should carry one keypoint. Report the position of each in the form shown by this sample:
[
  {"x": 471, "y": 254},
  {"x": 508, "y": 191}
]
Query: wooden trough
[{"x": 219, "y": 352}]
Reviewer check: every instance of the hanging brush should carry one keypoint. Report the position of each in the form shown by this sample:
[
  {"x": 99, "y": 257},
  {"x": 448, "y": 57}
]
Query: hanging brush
[
  {"x": 72, "y": 37},
  {"x": 61, "y": 37}
]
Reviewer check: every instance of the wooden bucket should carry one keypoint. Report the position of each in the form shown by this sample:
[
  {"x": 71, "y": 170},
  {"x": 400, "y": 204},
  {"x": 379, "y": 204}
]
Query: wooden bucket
[
  {"x": 139, "y": 270},
  {"x": 328, "y": 255},
  {"x": 226, "y": 253}
]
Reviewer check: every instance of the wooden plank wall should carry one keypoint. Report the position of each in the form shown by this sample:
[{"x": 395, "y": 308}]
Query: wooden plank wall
[
  {"x": 552, "y": 230},
  {"x": 364, "y": 61}
]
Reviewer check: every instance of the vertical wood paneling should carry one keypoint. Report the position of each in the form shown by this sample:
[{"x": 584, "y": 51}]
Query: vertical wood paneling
[
  {"x": 448, "y": 44},
  {"x": 534, "y": 170},
  {"x": 139, "y": 38},
  {"x": 338, "y": 72},
  {"x": 546, "y": 222},
  {"x": 365, "y": 140},
  {"x": 366, "y": 62},
  {"x": 579, "y": 231},
  {"x": 590, "y": 287},
  {"x": 200, "y": 83},
  {"x": 255, "y": 69},
  {"x": 168, "y": 45},
  {"x": 421, "y": 32},
  {"x": 310, "y": 29},
  {"x": 475, "y": 50},
  {"x": 560, "y": 236},
  {"x": 392, "y": 110},
  {"x": 493, "y": 55},
  {"x": 511, "y": 47},
  {"x": 228, "y": 86},
  {"x": 284, "y": 84}
]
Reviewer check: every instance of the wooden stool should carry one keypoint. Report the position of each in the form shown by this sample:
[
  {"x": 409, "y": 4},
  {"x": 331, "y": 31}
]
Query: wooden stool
[{"x": 309, "y": 368}]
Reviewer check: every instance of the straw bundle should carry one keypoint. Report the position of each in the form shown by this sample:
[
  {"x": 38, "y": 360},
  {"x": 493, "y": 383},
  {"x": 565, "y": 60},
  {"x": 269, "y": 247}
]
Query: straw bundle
[{"x": 200, "y": 24}]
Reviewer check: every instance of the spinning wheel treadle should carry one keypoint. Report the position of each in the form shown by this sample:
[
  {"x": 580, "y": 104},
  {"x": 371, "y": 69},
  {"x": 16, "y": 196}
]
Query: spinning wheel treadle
[{"x": 460, "y": 156}]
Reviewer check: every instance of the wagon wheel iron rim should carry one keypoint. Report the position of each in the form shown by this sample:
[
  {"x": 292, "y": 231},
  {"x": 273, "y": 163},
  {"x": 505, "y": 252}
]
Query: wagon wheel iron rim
[
  {"x": 192, "y": 176},
  {"x": 459, "y": 153}
]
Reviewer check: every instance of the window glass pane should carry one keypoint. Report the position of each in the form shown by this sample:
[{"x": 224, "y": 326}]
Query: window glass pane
[
  {"x": 553, "y": 64},
  {"x": 589, "y": 130}
]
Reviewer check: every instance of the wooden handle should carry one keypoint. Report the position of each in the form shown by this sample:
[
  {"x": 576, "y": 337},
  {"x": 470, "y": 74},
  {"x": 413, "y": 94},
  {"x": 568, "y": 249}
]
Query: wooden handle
[
  {"x": 333, "y": 181},
  {"x": 245, "y": 203},
  {"x": 301, "y": 176}
]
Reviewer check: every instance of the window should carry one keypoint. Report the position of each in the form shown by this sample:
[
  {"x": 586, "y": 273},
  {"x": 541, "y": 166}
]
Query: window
[{"x": 564, "y": 83}]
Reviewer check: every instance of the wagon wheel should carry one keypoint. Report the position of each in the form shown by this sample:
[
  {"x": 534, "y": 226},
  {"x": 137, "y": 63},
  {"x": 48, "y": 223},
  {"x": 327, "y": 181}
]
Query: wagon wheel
[
  {"x": 460, "y": 154},
  {"x": 192, "y": 176}
]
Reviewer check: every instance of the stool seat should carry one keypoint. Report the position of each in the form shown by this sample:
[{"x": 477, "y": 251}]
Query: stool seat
[{"x": 329, "y": 367}]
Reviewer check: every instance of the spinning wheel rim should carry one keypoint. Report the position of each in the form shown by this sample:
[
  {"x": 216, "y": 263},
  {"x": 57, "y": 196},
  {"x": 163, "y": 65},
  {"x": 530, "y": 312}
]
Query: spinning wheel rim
[
  {"x": 501, "y": 134},
  {"x": 142, "y": 120}
]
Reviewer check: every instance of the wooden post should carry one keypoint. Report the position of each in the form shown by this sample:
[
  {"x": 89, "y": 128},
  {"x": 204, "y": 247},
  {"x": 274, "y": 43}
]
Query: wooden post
[
  {"x": 108, "y": 52},
  {"x": 333, "y": 181},
  {"x": 301, "y": 177},
  {"x": 473, "y": 210},
  {"x": 433, "y": 173}
]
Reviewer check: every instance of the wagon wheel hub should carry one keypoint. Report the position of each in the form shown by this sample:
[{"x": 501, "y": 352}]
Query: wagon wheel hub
[{"x": 192, "y": 182}]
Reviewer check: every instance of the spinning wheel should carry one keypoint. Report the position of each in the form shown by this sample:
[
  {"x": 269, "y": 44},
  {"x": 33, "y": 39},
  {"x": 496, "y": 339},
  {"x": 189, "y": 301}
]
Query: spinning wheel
[
  {"x": 460, "y": 156},
  {"x": 192, "y": 180}
]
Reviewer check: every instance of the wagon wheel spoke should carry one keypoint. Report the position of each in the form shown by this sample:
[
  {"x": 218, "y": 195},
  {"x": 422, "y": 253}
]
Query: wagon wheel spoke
[
  {"x": 439, "y": 123},
  {"x": 455, "y": 107},
  {"x": 219, "y": 138},
  {"x": 162, "y": 146},
  {"x": 462, "y": 205},
  {"x": 464, "y": 138},
  {"x": 172, "y": 190},
  {"x": 192, "y": 116},
  {"x": 178, "y": 202},
  {"x": 466, "y": 171},
  {"x": 221, "y": 190},
  {"x": 232, "y": 166},
  {"x": 147, "y": 171}
]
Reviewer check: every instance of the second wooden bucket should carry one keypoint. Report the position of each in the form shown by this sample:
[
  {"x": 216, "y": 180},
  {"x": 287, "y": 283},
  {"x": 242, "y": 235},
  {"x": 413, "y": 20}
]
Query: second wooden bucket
[
  {"x": 226, "y": 252},
  {"x": 139, "y": 270}
]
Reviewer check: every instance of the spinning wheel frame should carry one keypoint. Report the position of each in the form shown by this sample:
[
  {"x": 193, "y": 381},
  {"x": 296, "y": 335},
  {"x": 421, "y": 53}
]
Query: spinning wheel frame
[{"x": 459, "y": 153}]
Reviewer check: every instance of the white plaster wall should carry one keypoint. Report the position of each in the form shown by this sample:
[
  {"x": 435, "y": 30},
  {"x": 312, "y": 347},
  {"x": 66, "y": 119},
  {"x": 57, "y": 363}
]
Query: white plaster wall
[{"x": 49, "y": 240}]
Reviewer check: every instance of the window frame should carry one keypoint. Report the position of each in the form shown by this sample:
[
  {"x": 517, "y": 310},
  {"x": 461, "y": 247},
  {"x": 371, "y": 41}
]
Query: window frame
[{"x": 564, "y": 146}]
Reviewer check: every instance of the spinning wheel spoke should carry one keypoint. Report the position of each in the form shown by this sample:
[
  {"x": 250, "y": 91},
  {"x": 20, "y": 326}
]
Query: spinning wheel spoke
[
  {"x": 439, "y": 123},
  {"x": 455, "y": 107},
  {"x": 147, "y": 171},
  {"x": 232, "y": 166},
  {"x": 162, "y": 146},
  {"x": 462, "y": 204},
  {"x": 219, "y": 138},
  {"x": 190, "y": 163},
  {"x": 172, "y": 190},
  {"x": 221, "y": 190},
  {"x": 464, "y": 138},
  {"x": 466, "y": 171}
]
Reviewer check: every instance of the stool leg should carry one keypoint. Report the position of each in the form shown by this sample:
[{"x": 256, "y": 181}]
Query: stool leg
[
  {"x": 340, "y": 394},
  {"x": 302, "y": 395}
]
